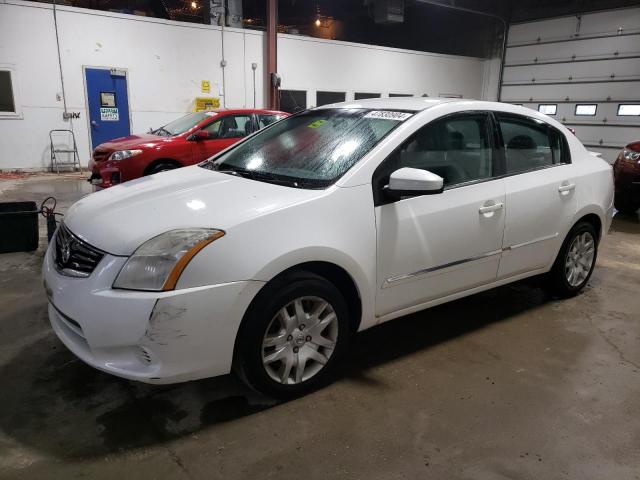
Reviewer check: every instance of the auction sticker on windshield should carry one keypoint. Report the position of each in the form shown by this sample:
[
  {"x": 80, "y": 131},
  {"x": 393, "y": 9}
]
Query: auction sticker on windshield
[{"x": 388, "y": 115}]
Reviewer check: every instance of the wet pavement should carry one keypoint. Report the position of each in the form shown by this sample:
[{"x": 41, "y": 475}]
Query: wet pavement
[{"x": 504, "y": 384}]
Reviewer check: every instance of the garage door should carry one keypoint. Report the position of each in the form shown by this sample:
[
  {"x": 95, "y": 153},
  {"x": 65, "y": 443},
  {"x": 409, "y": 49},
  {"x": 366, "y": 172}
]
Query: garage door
[{"x": 583, "y": 70}]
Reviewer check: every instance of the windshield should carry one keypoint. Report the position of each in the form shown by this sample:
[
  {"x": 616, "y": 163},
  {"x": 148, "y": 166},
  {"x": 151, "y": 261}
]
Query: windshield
[
  {"x": 309, "y": 150},
  {"x": 182, "y": 124}
]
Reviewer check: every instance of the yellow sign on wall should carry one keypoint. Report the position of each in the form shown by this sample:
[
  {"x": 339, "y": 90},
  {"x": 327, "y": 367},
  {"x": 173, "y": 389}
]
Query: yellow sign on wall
[
  {"x": 206, "y": 103},
  {"x": 206, "y": 86}
]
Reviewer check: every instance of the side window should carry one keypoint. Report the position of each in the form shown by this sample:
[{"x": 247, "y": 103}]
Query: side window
[
  {"x": 530, "y": 144},
  {"x": 456, "y": 148},
  {"x": 266, "y": 120},
  {"x": 230, "y": 126},
  {"x": 213, "y": 128}
]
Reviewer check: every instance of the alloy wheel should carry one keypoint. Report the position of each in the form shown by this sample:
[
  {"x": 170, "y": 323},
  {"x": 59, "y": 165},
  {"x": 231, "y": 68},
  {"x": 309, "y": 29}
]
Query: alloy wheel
[
  {"x": 579, "y": 259},
  {"x": 299, "y": 340}
]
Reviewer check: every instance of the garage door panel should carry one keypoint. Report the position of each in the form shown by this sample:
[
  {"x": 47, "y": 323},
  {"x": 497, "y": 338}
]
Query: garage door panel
[
  {"x": 624, "y": 19},
  {"x": 586, "y": 92},
  {"x": 589, "y": 48},
  {"x": 566, "y": 112},
  {"x": 627, "y": 68},
  {"x": 609, "y": 22},
  {"x": 529, "y": 32},
  {"x": 616, "y": 136}
]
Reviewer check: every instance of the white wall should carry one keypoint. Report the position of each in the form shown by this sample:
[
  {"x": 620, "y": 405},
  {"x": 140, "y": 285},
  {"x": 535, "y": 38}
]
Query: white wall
[
  {"x": 314, "y": 64},
  {"x": 166, "y": 61}
]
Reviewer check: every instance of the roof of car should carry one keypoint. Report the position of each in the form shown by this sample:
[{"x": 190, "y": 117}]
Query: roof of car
[{"x": 396, "y": 103}]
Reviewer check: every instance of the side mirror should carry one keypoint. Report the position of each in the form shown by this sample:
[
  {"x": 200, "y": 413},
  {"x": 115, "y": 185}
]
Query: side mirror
[
  {"x": 199, "y": 135},
  {"x": 412, "y": 182}
]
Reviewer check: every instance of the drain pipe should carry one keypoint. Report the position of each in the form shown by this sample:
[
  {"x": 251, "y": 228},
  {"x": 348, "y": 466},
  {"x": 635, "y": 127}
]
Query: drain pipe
[
  {"x": 505, "y": 29},
  {"x": 64, "y": 93}
]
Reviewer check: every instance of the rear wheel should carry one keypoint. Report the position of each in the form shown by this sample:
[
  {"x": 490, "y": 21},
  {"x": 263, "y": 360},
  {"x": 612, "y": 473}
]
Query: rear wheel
[
  {"x": 575, "y": 262},
  {"x": 293, "y": 336}
]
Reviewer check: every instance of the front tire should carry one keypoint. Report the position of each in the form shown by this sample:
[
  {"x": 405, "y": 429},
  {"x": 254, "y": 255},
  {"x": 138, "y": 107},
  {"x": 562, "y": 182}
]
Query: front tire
[
  {"x": 293, "y": 337},
  {"x": 575, "y": 262},
  {"x": 162, "y": 167}
]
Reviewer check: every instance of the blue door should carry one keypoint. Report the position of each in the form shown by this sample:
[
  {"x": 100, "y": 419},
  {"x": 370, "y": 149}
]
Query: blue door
[{"x": 108, "y": 104}]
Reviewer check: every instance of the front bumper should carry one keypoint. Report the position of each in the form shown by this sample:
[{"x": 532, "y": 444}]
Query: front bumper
[
  {"x": 104, "y": 174},
  {"x": 153, "y": 337}
]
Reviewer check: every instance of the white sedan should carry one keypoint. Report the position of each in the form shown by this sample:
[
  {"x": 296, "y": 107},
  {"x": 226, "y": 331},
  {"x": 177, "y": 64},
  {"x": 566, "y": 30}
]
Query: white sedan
[{"x": 268, "y": 257}]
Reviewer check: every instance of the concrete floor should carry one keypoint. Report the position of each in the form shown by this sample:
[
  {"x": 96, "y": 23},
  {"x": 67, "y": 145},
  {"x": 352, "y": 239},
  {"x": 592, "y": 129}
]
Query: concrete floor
[{"x": 504, "y": 384}]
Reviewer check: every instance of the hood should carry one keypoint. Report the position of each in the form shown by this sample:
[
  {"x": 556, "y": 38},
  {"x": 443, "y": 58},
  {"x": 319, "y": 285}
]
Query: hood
[
  {"x": 119, "y": 219},
  {"x": 132, "y": 141}
]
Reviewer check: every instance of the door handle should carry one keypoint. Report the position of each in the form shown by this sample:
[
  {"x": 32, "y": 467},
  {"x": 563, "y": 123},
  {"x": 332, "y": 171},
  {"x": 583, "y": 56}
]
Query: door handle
[
  {"x": 490, "y": 208},
  {"x": 566, "y": 187},
  {"x": 94, "y": 124}
]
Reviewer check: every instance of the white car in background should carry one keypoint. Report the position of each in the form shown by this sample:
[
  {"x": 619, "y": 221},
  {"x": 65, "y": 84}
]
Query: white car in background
[{"x": 266, "y": 258}]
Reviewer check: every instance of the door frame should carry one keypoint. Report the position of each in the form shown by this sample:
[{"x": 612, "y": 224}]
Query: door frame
[{"x": 86, "y": 97}]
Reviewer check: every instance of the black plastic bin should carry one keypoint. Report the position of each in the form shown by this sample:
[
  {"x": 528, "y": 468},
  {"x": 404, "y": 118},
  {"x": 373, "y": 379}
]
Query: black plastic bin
[{"x": 18, "y": 227}]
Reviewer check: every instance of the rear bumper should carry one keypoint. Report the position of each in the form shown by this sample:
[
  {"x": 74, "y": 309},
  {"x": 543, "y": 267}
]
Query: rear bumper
[{"x": 152, "y": 337}]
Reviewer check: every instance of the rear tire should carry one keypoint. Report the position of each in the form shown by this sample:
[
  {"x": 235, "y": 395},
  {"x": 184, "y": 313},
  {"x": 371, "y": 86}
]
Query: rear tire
[
  {"x": 293, "y": 337},
  {"x": 575, "y": 261}
]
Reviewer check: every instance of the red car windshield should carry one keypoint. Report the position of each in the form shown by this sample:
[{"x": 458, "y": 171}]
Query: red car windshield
[
  {"x": 182, "y": 124},
  {"x": 309, "y": 150}
]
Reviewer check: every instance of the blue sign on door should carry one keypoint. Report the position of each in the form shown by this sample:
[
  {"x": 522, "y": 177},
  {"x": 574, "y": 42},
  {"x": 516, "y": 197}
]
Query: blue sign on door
[{"x": 108, "y": 105}]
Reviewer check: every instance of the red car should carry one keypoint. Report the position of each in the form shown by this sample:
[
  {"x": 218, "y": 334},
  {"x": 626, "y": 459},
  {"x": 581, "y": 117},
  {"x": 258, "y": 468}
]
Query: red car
[
  {"x": 626, "y": 172},
  {"x": 185, "y": 141}
]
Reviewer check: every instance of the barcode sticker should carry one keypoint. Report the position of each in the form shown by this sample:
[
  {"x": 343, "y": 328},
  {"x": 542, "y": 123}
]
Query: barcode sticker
[{"x": 388, "y": 115}]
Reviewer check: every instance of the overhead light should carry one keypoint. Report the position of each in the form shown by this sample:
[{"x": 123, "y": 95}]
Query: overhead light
[
  {"x": 318, "y": 23},
  {"x": 194, "y": 5}
]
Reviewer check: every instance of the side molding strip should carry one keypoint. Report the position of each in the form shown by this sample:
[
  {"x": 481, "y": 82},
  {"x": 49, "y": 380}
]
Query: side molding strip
[{"x": 405, "y": 276}]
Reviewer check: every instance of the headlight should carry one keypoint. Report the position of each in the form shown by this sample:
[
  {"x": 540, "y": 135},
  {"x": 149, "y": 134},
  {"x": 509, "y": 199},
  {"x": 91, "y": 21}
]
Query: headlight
[
  {"x": 122, "y": 154},
  {"x": 630, "y": 155},
  {"x": 158, "y": 263}
]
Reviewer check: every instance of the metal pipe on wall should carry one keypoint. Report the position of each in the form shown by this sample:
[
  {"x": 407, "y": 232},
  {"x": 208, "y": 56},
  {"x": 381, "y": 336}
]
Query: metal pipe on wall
[
  {"x": 272, "y": 54},
  {"x": 505, "y": 29}
]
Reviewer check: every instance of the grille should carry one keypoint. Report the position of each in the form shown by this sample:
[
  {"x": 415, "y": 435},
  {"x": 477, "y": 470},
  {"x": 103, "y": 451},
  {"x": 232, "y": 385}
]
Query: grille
[{"x": 73, "y": 256}]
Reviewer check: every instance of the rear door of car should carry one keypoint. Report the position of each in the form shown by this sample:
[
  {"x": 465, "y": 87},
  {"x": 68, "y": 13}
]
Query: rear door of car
[{"x": 541, "y": 188}]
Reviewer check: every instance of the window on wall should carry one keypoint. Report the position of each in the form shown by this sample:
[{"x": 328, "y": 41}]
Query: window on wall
[
  {"x": 629, "y": 109},
  {"x": 400, "y": 95},
  {"x": 325, "y": 98},
  {"x": 586, "y": 109},
  {"x": 530, "y": 144},
  {"x": 362, "y": 96},
  {"x": 548, "y": 108},
  {"x": 7, "y": 97},
  {"x": 293, "y": 101}
]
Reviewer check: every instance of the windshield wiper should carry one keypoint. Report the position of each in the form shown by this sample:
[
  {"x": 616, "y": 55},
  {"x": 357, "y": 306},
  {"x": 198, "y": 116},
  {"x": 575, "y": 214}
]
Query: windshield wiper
[
  {"x": 253, "y": 175},
  {"x": 162, "y": 129}
]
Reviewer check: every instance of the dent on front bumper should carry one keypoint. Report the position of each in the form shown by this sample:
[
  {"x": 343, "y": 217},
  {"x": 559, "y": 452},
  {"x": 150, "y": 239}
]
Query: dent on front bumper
[{"x": 153, "y": 337}]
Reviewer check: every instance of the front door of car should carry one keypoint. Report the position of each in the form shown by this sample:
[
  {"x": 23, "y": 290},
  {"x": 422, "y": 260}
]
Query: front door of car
[
  {"x": 223, "y": 132},
  {"x": 541, "y": 193},
  {"x": 434, "y": 246}
]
